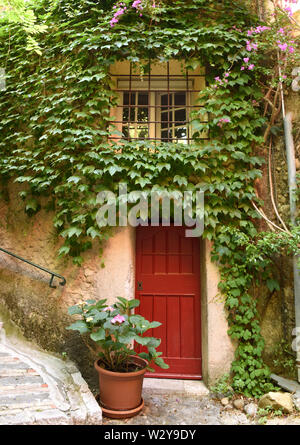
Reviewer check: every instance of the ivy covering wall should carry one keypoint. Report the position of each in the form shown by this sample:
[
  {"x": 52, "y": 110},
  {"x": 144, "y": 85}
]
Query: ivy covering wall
[{"x": 54, "y": 137}]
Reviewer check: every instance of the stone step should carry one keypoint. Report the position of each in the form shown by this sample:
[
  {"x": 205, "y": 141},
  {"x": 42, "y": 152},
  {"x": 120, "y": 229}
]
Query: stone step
[
  {"x": 11, "y": 399},
  {"x": 17, "y": 372},
  {"x": 13, "y": 364},
  {"x": 18, "y": 380},
  {"x": 28, "y": 405},
  {"x": 46, "y": 417},
  {"x": 11, "y": 390},
  {"x": 8, "y": 359}
]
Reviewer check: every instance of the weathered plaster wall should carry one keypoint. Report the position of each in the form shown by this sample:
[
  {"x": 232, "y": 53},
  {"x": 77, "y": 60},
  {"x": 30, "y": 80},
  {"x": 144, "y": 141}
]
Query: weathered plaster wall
[{"x": 217, "y": 348}]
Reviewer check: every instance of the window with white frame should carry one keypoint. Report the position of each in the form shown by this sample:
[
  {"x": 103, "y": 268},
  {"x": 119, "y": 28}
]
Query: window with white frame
[{"x": 156, "y": 106}]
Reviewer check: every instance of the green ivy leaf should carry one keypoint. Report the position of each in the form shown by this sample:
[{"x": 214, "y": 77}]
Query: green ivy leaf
[{"x": 71, "y": 231}]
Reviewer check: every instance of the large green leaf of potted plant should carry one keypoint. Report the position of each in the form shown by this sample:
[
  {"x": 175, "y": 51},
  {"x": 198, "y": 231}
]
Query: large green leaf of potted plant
[{"x": 114, "y": 329}]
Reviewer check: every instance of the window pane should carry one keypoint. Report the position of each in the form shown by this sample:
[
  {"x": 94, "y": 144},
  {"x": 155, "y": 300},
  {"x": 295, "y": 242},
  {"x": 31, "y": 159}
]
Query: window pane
[
  {"x": 180, "y": 99},
  {"x": 132, "y": 114},
  {"x": 180, "y": 133},
  {"x": 164, "y": 119},
  {"x": 166, "y": 135},
  {"x": 126, "y": 99},
  {"x": 143, "y": 99},
  {"x": 125, "y": 131},
  {"x": 180, "y": 116},
  {"x": 166, "y": 99},
  {"x": 142, "y": 115},
  {"x": 142, "y": 131},
  {"x": 132, "y": 132},
  {"x": 125, "y": 114}
]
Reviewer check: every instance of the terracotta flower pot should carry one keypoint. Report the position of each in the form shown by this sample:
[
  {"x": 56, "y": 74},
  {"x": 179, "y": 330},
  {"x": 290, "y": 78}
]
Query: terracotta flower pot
[{"x": 121, "y": 392}]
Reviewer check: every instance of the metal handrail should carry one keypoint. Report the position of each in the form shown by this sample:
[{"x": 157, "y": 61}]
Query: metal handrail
[{"x": 53, "y": 274}]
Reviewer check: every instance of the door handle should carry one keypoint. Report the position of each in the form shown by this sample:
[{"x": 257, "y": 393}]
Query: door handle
[{"x": 139, "y": 285}]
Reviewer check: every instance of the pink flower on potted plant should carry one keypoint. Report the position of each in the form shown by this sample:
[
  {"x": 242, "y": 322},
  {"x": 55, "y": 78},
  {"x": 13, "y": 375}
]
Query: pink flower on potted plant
[{"x": 118, "y": 319}]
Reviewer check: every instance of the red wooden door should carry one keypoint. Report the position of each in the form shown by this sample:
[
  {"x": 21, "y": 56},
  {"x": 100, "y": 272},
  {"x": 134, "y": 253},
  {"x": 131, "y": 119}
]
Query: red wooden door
[{"x": 168, "y": 287}]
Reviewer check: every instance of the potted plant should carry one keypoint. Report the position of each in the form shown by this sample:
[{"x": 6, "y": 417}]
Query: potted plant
[{"x": 113, "y": 330}]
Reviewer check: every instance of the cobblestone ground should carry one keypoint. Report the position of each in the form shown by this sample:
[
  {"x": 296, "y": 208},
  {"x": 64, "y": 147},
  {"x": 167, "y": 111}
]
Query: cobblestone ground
[{"x": 172, "y": 409}]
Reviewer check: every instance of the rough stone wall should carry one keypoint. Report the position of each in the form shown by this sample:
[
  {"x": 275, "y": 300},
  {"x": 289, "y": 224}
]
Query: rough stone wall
[{"x": 277, "y": 309}]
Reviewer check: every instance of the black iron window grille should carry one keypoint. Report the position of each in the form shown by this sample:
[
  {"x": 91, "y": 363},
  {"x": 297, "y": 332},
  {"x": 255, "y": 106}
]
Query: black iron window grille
[{"x": 156, "y": 107}]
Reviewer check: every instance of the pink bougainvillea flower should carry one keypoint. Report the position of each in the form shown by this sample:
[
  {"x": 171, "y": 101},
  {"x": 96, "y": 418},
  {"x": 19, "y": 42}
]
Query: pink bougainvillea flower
[
  {"x": 260, "y": 29},
  {"x": 246, "y": 59},
  {"x": 117, "y": 14},
  {"x": 250, "y": 46},
  {"x": 282, "y": 46},
  {"x": 118, "y": 319},
  {"x": 113, "y": 22},
  {"x": 291, "y": 49},
  {"x": 250, "y": 67},
  {"x": 242, "y": 68},
  {"x": 289, "y": 10},
  {"x": 137, "y": 4},
  {"x": 222, "y": 121}
]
